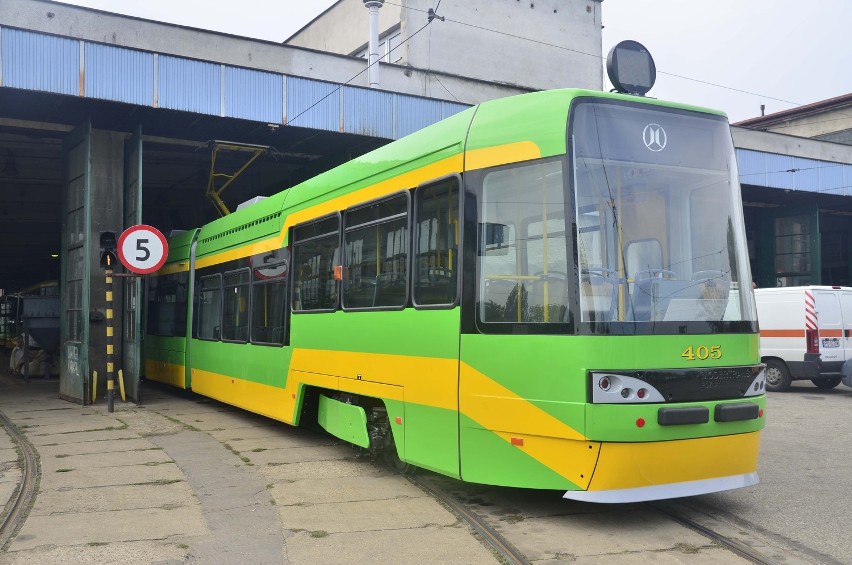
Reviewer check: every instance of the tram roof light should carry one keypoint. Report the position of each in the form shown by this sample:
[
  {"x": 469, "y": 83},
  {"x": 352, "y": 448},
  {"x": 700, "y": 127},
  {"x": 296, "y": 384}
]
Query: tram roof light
[{"x": 631, "y": 68}]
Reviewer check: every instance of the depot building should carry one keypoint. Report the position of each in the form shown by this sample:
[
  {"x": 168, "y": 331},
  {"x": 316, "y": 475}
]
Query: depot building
[{"x": 109, "y": 122}]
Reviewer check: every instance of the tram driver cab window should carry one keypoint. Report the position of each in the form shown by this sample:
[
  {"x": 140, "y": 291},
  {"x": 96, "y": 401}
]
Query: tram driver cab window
[{"x": 522, "y": 260}]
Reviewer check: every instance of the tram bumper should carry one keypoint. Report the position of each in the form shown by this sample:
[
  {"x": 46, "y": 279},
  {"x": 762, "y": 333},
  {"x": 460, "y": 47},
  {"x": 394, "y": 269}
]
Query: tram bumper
[{"x": 636, "y": 472}]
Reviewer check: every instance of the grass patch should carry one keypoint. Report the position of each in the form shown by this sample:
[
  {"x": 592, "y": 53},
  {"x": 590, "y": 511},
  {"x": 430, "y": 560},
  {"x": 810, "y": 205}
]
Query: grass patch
[
  {"x": 184, "y": 424},
  {"x": 687, "y": 548},
  {"x": 258, "y": 449},
  {"x": 96, "y": 543},
  {"x": 319, "y": 534},
  {"x": 162, "y": 482}
]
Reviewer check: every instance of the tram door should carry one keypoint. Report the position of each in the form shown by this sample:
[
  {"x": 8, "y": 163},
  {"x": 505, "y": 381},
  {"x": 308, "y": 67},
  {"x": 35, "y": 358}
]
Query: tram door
[{"x": 132, "y": 345}]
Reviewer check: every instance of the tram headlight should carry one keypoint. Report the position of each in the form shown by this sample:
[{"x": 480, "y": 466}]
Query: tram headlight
[
  {"x": 758, "y": 385},
  {"x": 611, "y": 388}
]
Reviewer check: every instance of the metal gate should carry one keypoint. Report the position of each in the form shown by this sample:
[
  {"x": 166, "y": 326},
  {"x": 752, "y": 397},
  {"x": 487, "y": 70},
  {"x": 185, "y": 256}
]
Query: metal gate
[
  {"x": 76, "y": 271},
  {"x": 132, "y": 350}
]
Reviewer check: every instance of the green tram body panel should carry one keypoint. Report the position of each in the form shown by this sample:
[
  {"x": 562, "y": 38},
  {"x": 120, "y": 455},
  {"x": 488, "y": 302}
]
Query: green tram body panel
[{"x": 505, "y": 409}]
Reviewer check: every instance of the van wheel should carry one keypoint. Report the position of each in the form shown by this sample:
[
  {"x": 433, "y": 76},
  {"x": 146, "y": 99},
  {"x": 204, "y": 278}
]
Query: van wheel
[
  {"x": 830, "y": 382},
  {"x": 777, "y": 376}
]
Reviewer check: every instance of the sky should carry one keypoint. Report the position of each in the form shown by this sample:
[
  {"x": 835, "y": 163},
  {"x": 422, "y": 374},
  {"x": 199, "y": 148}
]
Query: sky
[{"x": 733, "y": 55}]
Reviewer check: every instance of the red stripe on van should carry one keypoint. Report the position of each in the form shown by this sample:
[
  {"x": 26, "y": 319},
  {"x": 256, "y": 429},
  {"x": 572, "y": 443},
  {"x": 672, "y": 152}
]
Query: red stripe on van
[
  {"x": 831, "y": 333},
  {"x": 782, "y": 333}
]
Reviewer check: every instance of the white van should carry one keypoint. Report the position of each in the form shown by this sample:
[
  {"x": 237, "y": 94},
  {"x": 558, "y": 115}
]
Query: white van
[{"x": 805, "y": 333}]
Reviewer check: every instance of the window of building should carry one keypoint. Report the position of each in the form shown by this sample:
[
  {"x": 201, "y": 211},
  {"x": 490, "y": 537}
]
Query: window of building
[
  {"x": 376, "y": 254},
  {"x": 316, "y": 253},
  {"x": 436, "y": 243},
  {"x": 390, "y": 50},
  {"x": 793, "y": 250}
]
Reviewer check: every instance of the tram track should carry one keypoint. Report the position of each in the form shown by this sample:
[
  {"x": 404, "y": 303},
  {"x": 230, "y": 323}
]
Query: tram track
[
  {"x": 672, "y": 510},
  {"x": 508, "y": 552},
  {"x": 16, "y": 509},
  {"x": 678, "y": 513}
]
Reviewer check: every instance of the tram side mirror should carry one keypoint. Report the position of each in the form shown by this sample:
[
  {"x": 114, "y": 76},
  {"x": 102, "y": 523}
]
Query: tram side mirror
[{"x": 493, "y": 240}]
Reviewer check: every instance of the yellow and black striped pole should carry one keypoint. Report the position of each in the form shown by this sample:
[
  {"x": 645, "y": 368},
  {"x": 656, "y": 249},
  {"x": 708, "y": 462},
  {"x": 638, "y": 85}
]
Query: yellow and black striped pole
[
  {"x": 110, "y": 373},
  {"x": 108, "y": 261}
]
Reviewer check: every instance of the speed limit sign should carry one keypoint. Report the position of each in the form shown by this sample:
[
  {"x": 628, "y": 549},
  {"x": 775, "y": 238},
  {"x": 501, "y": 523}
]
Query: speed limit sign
[{"x": 142, "y": 249}]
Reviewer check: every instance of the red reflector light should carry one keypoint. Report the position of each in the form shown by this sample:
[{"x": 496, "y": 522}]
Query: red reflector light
[
  {"x": 517, "y": 441},
  {"x": 641, "y": 393},
  {"x": 760, "y": 413},
  {"x": 398, "y": 420},
  {"x": 812, "y": 340},
  {"x": 640, "y": 422}
]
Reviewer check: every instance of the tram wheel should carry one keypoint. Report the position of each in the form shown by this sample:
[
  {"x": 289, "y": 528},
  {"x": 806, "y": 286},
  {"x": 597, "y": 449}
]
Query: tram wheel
[
  {"x": 828, "y": 383},
  {"x": 398, "y": 464},
  {"x": 777, "y": 376}
]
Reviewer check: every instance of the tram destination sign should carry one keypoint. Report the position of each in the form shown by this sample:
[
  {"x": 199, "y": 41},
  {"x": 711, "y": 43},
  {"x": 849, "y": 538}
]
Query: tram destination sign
[{"x": 142, "y": 249}]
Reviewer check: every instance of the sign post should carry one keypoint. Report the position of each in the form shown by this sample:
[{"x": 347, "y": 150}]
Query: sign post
[{"x": 142, "y": 250}]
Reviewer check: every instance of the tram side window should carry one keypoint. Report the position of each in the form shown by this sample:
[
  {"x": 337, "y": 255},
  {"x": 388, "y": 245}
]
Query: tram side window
[
  {"x": 436, "y": 243},
  {"x": 167, "y": 297},
  {"x": 210, "y": 307},
  {"x": 236, "y": 298},
  {"x": 316, "y": 252},
  {"x": 522, "y": 263},
  {"x": 376, "y": 254},
  {"x": 269, "y": 298}
]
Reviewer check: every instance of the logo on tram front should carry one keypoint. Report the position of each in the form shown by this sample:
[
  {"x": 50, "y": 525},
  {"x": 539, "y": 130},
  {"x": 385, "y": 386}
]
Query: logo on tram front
[{"x": 654, "y": 137}]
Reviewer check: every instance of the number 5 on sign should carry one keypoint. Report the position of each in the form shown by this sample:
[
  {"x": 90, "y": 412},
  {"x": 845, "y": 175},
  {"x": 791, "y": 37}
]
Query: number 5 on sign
[{"x": 142, "y": 249}]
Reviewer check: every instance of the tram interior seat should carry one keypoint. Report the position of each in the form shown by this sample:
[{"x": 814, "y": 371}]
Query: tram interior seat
[
  {"x": 653, "y": 289},
  {"x": 360, "y": 293},
  {"x": 268, "y": 334},
  {"x": 389, "y": 289},
  {"x": 436, "y": 286},
  {"x": 653, "y": 292},
  {"x": 600, "y": 291},
  {"x": 494, "y": 303},
  {"x": 235, "y": 333},
  {"x": 261, "y": 334},
  {"x": 556, "y": 304}
]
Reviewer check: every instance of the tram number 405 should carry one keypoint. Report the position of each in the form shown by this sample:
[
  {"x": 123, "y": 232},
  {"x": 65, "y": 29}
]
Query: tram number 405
[{"x": 702, "y": 352}]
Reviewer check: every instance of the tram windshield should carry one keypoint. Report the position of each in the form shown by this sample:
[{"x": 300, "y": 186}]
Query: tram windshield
[
  {"x": 658, "y": 217},
  {"x": 656, "y": 243}
]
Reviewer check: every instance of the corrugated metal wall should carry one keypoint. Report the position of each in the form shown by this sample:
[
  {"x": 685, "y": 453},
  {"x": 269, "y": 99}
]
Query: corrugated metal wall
[
  {"x": 313, "y": 104},
  {"x": 35, "y": 61},
  {"x": 47, "y": 63},
  {"x": 254, "y": 95},
  {"x": 794, "y": 173},
  {"x": 119, "y": 74},
  {"x": 368, "y": 112},
  {"x": 193, "y": 86}
]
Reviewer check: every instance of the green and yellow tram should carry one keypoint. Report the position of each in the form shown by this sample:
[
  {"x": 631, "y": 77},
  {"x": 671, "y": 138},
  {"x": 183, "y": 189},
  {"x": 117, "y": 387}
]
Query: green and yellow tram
[{"x": 545, "y": 291}]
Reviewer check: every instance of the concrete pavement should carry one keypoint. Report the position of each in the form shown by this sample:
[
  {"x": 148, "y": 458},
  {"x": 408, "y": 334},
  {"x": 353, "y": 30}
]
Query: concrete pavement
[
  {"x": 188, "y": 480},
  {"x": 184, "y": 479}
]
